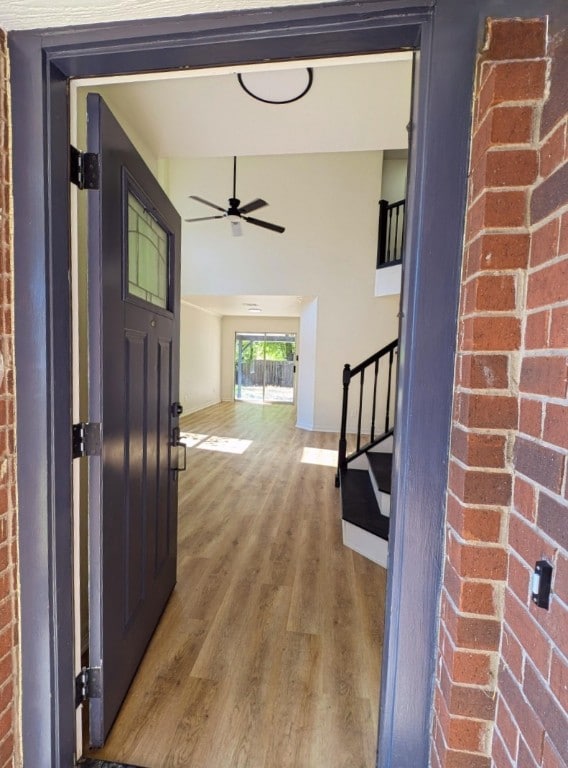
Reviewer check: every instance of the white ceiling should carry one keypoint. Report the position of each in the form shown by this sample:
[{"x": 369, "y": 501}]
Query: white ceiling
[
  {"x": 270, "y": 306},
  {"x": 350, "y": 107},
  {"x": 356, "y": 104}
]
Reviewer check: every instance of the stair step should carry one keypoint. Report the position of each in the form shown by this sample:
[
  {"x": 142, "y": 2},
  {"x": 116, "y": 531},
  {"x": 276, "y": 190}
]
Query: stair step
[
  {"x": 359, "y": 504},
  {"x": 380, "y": 464},
  {"x": 372, "y": 547}
]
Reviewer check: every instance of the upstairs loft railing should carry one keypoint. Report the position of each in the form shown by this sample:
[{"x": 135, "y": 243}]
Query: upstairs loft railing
[
  {"x": 391, "y": 233},
  {"x": 376, "y": 385}
]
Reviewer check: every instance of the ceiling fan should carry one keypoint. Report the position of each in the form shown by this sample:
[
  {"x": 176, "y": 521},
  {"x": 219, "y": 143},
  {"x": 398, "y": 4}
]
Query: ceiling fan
[{"x": 237, "y": 212}]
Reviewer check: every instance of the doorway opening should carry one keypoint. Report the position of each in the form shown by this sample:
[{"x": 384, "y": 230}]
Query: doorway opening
[
  {"x": 45, "y": 63},
  {"x": 271, "y": 361},
  {"x": 265, "y": 367}
]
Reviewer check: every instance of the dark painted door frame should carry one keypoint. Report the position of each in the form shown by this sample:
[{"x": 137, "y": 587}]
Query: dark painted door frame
[{"x": 42, "y": 63}]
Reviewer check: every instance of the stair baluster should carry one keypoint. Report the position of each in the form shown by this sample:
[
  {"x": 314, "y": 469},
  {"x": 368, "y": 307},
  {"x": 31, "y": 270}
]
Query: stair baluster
[
  {"x": 342, "y": 452},
  {"x": 348, "y": 374},
  {"x": 390, "y": 242}
]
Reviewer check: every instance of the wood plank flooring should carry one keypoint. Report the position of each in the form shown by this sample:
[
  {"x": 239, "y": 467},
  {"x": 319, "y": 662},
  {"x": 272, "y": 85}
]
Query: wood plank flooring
[{"x": 268, "y": 654}]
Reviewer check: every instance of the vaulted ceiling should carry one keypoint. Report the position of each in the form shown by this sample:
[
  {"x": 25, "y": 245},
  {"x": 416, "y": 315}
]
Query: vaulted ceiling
[
  {"x": 355, "y": 104},
  {"x": 352, "y": 105}
]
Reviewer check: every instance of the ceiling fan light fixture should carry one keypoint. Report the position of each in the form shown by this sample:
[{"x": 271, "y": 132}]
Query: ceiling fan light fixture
[
  {"x": 236, "y": 229},
  {"x": 277, "y": 86}
]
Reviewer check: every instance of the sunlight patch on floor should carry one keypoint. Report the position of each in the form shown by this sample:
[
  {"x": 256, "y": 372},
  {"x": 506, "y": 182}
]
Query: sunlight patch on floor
[
  {"x": 214, "y": 443},
  {"x": 224, "y": 444},
  {"x": 325, "y": 457},
  {"x": 191, "y": 439}
]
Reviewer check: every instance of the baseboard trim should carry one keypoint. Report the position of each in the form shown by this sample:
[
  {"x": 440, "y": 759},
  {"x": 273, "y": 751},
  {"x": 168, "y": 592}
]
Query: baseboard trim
[
  {"x": 88, "y": 763},
  {"x": 201, "y": 407}
]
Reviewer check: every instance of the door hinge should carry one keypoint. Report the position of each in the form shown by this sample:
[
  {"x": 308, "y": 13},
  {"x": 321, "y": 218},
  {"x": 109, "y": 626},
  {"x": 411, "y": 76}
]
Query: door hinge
[
  {"x": 86, "y": 439},
  {"x": 87, "y": 685},
  {"x": 83, "y": 168}
]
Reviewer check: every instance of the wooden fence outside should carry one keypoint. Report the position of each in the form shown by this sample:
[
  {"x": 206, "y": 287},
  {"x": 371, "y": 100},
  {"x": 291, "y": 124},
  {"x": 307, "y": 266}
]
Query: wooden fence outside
[{"x": 279, "y": 373}]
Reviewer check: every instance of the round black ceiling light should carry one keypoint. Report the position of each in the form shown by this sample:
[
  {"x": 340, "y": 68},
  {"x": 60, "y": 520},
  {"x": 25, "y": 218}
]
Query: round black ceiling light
[{"x": 277, "y": 86}]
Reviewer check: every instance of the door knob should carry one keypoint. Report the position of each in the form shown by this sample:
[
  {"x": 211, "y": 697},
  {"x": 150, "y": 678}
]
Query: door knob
[{"x": 177, "y": 409}]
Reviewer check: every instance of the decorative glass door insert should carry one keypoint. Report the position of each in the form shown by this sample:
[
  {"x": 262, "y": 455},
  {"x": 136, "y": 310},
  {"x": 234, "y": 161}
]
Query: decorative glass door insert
[{"x": 147, "y": 255}]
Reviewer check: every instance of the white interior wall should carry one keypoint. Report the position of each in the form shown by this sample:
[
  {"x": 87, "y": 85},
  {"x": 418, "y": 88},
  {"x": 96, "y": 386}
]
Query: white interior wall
[
  {"x": 306, "y": 398},
  {"x": 200, "y": 358},
  {"x": 329, "y": 206},
  {"x": 352, "y": 342},
  {"x": 146, "y": 151},
  {"x": 389, "y": 280},
  {"x": 231, "y": 325},
  {"x": 394, "y": 178}
]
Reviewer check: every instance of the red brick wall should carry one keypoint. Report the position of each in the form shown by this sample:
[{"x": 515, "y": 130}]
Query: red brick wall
[
  {"x": 9, "y": 745},
  {"x": 502, "y": 683}
]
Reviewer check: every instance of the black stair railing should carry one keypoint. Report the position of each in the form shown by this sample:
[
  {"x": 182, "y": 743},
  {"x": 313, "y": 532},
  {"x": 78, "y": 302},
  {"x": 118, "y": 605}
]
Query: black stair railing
[
  {"x": 379, "y": 426},
  {"x": 391, "y": 232}
]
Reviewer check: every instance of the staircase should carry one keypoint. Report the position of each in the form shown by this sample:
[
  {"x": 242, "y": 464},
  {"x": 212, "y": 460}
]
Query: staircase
[{"x": 365, "y": 454}]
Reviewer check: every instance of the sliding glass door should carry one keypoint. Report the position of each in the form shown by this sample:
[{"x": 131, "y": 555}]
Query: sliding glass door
[{"x": 265, "y": 367}]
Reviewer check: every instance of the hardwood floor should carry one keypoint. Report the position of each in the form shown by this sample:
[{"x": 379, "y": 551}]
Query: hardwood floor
[{"x": 268, "y": 653}]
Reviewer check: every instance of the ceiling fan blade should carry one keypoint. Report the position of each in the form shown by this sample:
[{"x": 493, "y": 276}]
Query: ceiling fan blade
[
  {"x": 205, "y": 218},
  {"x": 207, "y": 202},
  {"x": 236, "y": 229},
  {"x": 254, "y": 205},
  {"x": 265, "y": 224}
]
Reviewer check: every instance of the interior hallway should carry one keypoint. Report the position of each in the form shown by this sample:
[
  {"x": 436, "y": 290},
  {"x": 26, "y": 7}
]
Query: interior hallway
[{"x": 268, "y": 653}]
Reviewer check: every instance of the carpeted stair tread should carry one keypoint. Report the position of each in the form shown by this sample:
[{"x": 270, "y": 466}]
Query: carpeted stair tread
[{"x": 359, "y": 504}]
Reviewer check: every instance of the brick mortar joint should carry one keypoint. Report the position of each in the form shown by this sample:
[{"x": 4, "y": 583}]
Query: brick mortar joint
[
  {"x": 536, "y": 397},
  {"x": 475, "y": 505},
  {"x": 506, "y": 470},
  {"x": 496, "y": 617},
  {"x": 481, "y": 393},
  {"x": 489, "y": 431},
  {"x": 469, "y": 240},
  {"x": 476, "y": 544},
  {"x": 464, "y": 389},
  {"x": 479, "y": 125},
  {"x": 541, "y": 489},
  {"x": 509, "y": 272},
  {"x": 529, "y": 566},
  {"x": 556, "y": 213},
  {"x": 468, "y": 686},
  {"x": 561, "y": 121},
  {"x": 535, "y": 669},
  {"x": 510, "y": 229},
  {"x": 554, "y": 305},
  {"x": 501, "y": 313},
  {"x": 542, "y": 399}
]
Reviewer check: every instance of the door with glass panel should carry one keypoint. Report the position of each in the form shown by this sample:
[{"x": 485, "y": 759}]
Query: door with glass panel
[
  {"x": 134, "y": 267},
  {"x": 265, "y": 367}
]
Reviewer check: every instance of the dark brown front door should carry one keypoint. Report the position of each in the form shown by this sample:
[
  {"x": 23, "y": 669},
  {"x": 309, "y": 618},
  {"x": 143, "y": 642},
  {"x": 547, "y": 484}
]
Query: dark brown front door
[{"x": 134, "y": 267}]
